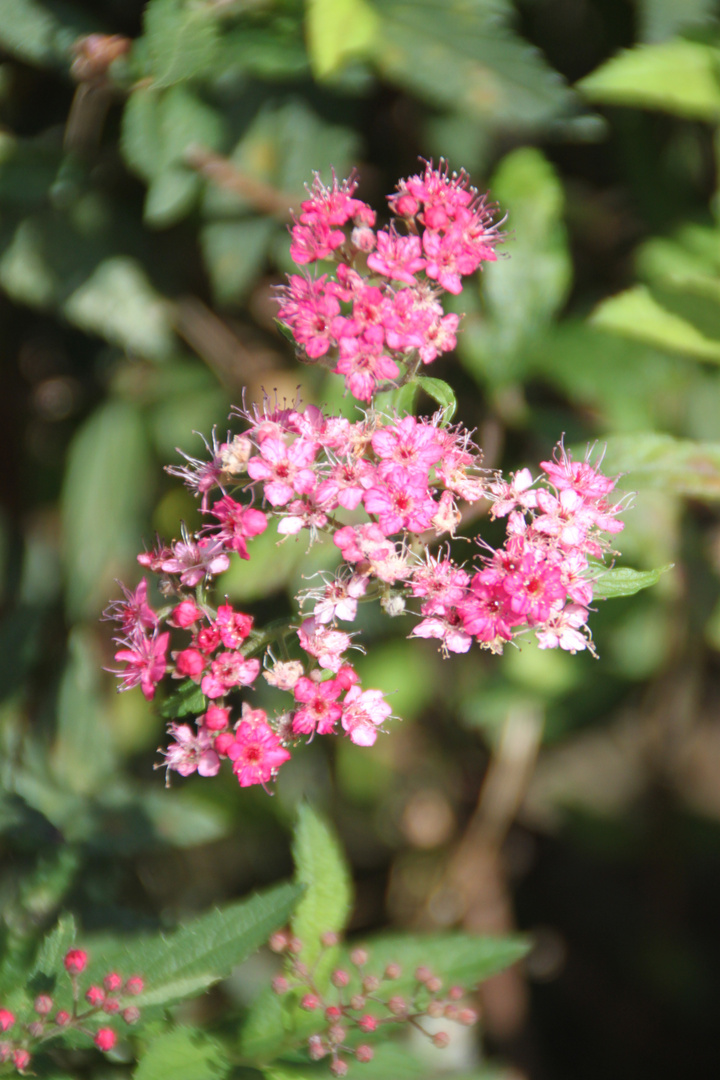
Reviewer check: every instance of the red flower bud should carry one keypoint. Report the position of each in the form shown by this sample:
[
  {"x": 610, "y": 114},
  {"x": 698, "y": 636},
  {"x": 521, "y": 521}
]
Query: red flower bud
[
  {"x": 105, "y": 1038},
  {"x": 76, "y": 961}
]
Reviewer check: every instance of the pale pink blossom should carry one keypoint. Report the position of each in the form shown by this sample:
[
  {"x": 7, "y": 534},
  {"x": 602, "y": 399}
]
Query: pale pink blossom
[
  {"x": 363, "y": 711},
  {"x": 284, "y": 470},
  {"x": 191, "y": 751},
  {"x": 229, "y": 669},
  {"x": 146, "y": 659}
]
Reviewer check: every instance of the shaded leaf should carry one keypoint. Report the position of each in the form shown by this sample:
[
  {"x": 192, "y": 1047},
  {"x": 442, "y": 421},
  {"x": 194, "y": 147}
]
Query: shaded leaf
[
  {"x": 622, "y": 581},
  {"x": 678, "y": 76},
  {"x": 660, "y": 19},
  {"x": 638, "y": 313},
  {"x": 234, "y": 253},
  {"x": 182, "y": 40},
  {"x": 82, "y": 756},
  {"x": 442, "y": 393},
  {"x": 681, "y": 466},
  {"x": 38, "y": 35},
  {"x": 187, "y": 699}
]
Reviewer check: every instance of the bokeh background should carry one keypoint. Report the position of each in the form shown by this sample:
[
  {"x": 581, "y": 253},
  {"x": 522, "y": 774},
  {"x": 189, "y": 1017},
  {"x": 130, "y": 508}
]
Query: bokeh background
[{"x": 145, "y": 180}]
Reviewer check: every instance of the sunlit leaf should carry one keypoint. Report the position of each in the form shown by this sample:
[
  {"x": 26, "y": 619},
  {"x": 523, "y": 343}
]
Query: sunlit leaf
[
  {"x": 622, "y": 581},
  {"x": 322, "y": 869},
  {"x": 83, "y": 755},
  {"x": 442, "y": 393},
  {"x": 182, "y": 40},
  {"x": 336, "y": 30},
  {"x": 637, "y": 313},
  {"x": 681, "y": 466},
  {"x": 182, "y": 1054}
]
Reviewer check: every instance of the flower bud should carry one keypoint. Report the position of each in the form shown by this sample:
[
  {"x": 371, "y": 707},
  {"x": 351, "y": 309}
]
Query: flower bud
[
  {"x": 95, "y": 995},
  {"x": 190, "y": 662},
  {"x": 441, "y": 1040},
  {"x": 310, "y": 1002},
  {"x": 216, "y": 718},
  {"x": 131, "y": 1015},
  {"x": 452, "y": 1012},
  {"x": 295, "y": 945},
  {"x": 468, "y": 1017},
  {"x": 332, "y": 1013},
  {"x": 357, "y": 1002},
  {"x": 280, "y": 984},
  {"x": 338, "y": 1067},
  {"x": 134, "y": 985},
  {"x": 359, "y": 957},
  {"x": 316, "y": 1048},
  {"x": 367, "y": 1022},
  {"x": 223, "y": 742},
  {"x": 337, "y": 1033},
  {"x": 42, "y": 1004},
  {"x": 340, "y": 978},
  {"x": 279, "y": 940},
  {"x": 76, "y": 961},
  {"x": 185, "y": 614},
  {"x": 363, "y": 238},
  {"x": 36, "y": 1028},
  {"x": 111, "y": 1006},
  {"x": 329, "y": 939},
  {"x": 370, "y": 983},
  {"x": 7, "y": 1019},
  {"x": 397, "y": 1005},
  {"x": 105, "y": 1038},
  {"x": 21, "y": 1059},
  {"x": 436, "y": 1009},
  {"x": 62, "y": 1018},
  {"x": 455, "y": 993},
  {"x": 364, "y": 1053},
  {"x": 393, "y": 971},
  {"x": 422, "y": 974},
  {"x": 433, "y": 984}
]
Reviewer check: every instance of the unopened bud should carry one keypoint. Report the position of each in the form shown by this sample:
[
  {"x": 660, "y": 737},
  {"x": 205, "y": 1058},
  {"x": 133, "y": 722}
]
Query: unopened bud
[
  {"x": 329, "y": 939},
  {"x": 455, "y": 993},
  {"x": 21, "y": 1059},
  {"x": 468, "y": 1017},
  {"x": 111, "y": 1006},
  {"x": 393, "y": 604},
  {"x": 370, "y": 983},
  {"x": 134, "y": 986},
  {"x": 316, "y": 1048},
  {"x": 367, "y": 1022},
  {"x": 357, "y": 1002},
  {"x": 278, "y": 941},
  {"x": 397, "y": 1005},
  {"x": 75, "y": 961},
  {"x": 436, "y": 1009},
  {"x": 7, "y": 1019},
  {"x": 340, "y": 977},
  {"x": 310, "y": 1002},
  {"x": 452, "y": 1012},
  {"x": 36, "y": 1028},
  {"x": 338, "y": 1067},
  {"x": 332, "y": 1013},
  {"x": 363, "y": 238},
  {"x": 62, "y": 1018},
  {"x": 359, "y": 957},
  {"x": 105, "y": 1038},
  {"x": 337, "y": 1033},
  {"x": 422, "y": 974},
  {"x": 131, "y": 1015},
  {"x": 393, "y": 971},
  {"x": 280, "y": 984},
  {"x": 441, "y": 1040},
  {"x": 295, "y": 945},
  {"x": 95, "y": 995},
  {"x": 434, "y": 984},
  {"x": 364, "y": 1053},
  {"x": 43, "y": 1004}
]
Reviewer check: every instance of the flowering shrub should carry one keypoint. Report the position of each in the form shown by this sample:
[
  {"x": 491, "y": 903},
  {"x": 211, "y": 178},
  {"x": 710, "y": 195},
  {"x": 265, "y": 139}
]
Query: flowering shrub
[{"x": 386, "y": 488}]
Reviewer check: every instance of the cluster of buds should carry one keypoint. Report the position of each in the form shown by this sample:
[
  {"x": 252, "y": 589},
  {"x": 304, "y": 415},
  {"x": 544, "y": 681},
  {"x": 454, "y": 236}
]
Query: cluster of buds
[
  {"x": 385, "y": 489},
  {"x": 358, "y": 1003},
  {"x": 112, "y": 998}
]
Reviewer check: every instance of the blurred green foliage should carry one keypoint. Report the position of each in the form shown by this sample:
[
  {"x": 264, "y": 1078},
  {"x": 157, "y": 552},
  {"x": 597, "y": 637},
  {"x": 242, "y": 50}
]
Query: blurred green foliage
[{"x": 144, "y": 195}]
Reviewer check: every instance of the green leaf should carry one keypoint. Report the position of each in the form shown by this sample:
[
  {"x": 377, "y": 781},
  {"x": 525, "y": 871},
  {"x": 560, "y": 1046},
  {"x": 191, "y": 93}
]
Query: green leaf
[
  {"x": 527, "y": 286},
  {"x": 622, "y": 581},
  {"x": 186, "y": 962},
  {"x": 182, "y": 1054},
  {"x": 49, "y": 960},
  {"x": 459, "y": 54},
  {"x": 118, "y": 303},
  {"x": 140, "y": 132},
  {"x": 322, "y": 869},
  {"x": 401, "y": 401},
  {"x": 661, "y": 19},
  {"x": 105, "y": 490},
  {"x": 337, "y": 30},
  {"x": 266, "y": 1028},
  {"x": 187, "y": 699},
  {"x": 440, "y": 392},
  {"x": 32, "y": 32},
  {"x": 82, "y": 756},
  {"x": 638, "y": 314},
  {"x": 184, "y": 820},
  {"x": 234, "y": 252},
  {"x": 681, "y": 466},
  {"x": 678, "y": 76},
  {"x": 182, "y": 39}
]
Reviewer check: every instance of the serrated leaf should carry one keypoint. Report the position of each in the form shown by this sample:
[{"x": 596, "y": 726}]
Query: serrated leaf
[
  {"x": 638, "y": 314},
  {"x": 337, "y": 30},
  {"x": 118, "y": 303},
  {"x": 187, "y": 699},
  {"x": 458, "y": 53},
  {"x": 622, "y": 581},
  {"x": 321, "y": 867},
  {"x": 49, "y": 960},
  {"x": 440, "y": 392},
  {"x": 105, "y": 490},
  {"x": 182, "y": 39},
  {"x": 679, "y": 77},
  {"x": 264, "y": 1032},
  {"x": 681, "y": 466},
  {"x": 190, "y": 959},
  {"x": 182, "y": 1054}
]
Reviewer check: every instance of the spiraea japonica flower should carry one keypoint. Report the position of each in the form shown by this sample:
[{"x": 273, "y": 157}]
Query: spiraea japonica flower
[{"x": 388, "y": 493}]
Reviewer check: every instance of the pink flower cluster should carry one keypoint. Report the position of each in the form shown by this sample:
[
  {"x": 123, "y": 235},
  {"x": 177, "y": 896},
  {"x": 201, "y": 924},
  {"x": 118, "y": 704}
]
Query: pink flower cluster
[
  {"x": 384, "y": 488},
  {"x": 108, "y": 999},
  {"x": 360, "y": 1002},
  {"x": 372, "y": 327}
]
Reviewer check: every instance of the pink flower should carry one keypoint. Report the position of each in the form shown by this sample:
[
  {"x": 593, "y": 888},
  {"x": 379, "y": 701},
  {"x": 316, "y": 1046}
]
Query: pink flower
[
  {"x": 564, "y": 631},
  {"x": 338, "y": 600},
  {"x": 237, "y": 524},
  {"x": 284, "y": 470},
  {"x": 234, "y": 626},
  {"x": 198, "y": 475},
  {"x": 256, "y": 753},
  {"x": 510, "y": 495},
  {"x": 189, "y": 662},
  {"x": 185, "y": 614},
  {"x": 441, "y": 583},
  {"x": 196, "y": 560},
  {"x": 308, "y": 308},
  {"x": 319, "y": 710},
  {"x": 407, "y": 449},
  {"x": 364, "y": 366},
  {"x": 327, "y": 646},
  {"x": 581, "y": 476},
  {"x": 191, "y": 751},
  {"x": 401, "y": 506},
  {"x": 362, "y": 713},
  {"x": 397, "y": 257},
  {"x": 335, "y": 205},
  {"x": 146, "y": 659},
  {"x": 228, "y": 670},
  {"x": 134, "y": 613},
  {"x": 449, "y": 630}
]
